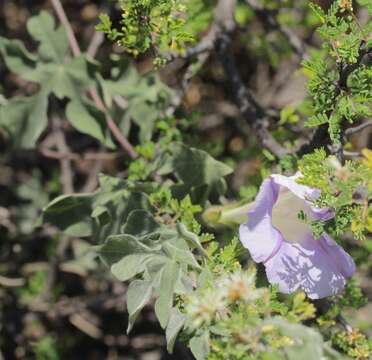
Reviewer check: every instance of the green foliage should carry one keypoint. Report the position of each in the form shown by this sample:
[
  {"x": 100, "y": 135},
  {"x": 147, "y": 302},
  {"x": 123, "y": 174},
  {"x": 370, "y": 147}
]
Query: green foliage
[
  {"x": 25, "y": 118},
  {"x": 146, "y": 95},
  {"x": 147, "y": 229},
  {"x": 34, "y": 286},
  {"x": 352, "y": 298},
  {"x": 101, "y": 213},
  {"x": 344, "y": 191},
  {"x": 230, "y": 318},
  {"x": 147, "y": 239},
  {"x": 288, "y": 115},
  {"x": 197, "y": 174},
  {"x": 336, "y": 100},
  {"x": 225, "y": 260},
  {"x": 162, "y": 255},
  {"x": 160, "y": 25},
  {"x": 45, "y": 349},
  {"x": 354, "y": 344}
]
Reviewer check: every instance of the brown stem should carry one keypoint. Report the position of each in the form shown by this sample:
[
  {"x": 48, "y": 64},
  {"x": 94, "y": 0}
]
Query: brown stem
[
  {"x": 58, "y": 8},
  {"x": 356, "y": 129},
  {"x": 67, "y": 175}
]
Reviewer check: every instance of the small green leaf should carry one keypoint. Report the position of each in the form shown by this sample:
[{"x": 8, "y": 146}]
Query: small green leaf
[
  {"x": 71, "y": 214},
  {"x": 67, "y": 80},
  {"x": 195, "y": 167},
  {"x": 184, "y": 256},
  {"x": 117, "y": 247},
  {"x": 199, "y": 346},
  {"x": 143, "y": 93},
  {"x": 191, "y": 238},
  {"x": 129, "y": 266},
  {"x": 89, "y": 120},
  {"x": 175, "y": 324},
  {"x": 19, "y": 60},
  {"x": 164, "y": 303},
  {"x": 25, "y": 119},
  {"x": 140, "y": 222},
  {"x": 138, "y": 295},
  {"x": 144, "y": 115},
  {"x": 53, "y": 42},
  {"x": 316, "y": 120}
]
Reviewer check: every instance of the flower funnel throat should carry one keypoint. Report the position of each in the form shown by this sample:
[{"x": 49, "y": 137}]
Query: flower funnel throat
[
  {"x": 285, "y": 216},
  {"x": 276, "y": 236}
]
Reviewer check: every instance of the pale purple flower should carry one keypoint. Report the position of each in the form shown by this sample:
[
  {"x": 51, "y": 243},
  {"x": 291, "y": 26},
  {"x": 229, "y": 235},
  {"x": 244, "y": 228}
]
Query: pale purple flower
[{"x": 276, "y": 237}]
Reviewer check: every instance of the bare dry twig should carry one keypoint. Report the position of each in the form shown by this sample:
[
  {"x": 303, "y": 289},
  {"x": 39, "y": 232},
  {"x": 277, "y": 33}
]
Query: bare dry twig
[
  {"x": 85, "y": 326},
  {"x": 249, "y": 108},
  {"x": 11, "y": 282},
  {"x": 358, "y": 128},
  {"x": 99, "y": 156}
]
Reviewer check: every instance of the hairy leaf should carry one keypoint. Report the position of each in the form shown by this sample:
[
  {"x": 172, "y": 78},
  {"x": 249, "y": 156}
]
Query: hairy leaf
[
  {"x": 25, "y": 119},
  {"x": 89, "y": 120},
  {"x": 71, "y": 213},
  {"x": 138, "y": 295},
  {"x": 175, "y": 324},
  {"x": 199, "y": 346},
  {"x": 166, "y": 288},
  {"x": 129, "y": 266},
  {"x": 53, "y": 42}
]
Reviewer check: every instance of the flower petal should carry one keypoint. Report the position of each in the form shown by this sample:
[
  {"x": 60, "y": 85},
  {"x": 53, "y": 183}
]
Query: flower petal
[
  {"x": 257, "y": 234},
  {"x": 319, "y": 267},
  {"x": 305, "y": 193},
  {"x": 302, "y": 191},
  {"x": 322, "y": 213},
  {"x": 340, "y": 257}
]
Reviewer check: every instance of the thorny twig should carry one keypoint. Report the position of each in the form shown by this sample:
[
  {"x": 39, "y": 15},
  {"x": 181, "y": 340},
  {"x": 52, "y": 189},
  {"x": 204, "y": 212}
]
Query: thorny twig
[
  {"x": 93, "y": 91},
  {"x": 249, "y": 108}
]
